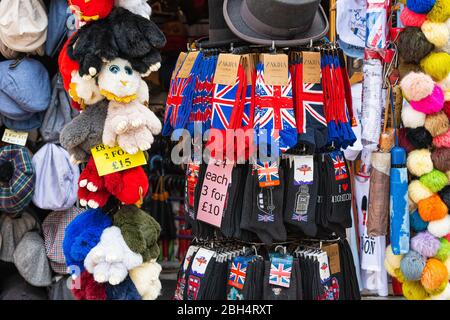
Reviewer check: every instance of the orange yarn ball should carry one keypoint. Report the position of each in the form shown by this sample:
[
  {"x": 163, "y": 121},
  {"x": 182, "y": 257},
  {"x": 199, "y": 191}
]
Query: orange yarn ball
[
  {"x": 432, "y": 208},
  {"x": 433, "y": 275}
]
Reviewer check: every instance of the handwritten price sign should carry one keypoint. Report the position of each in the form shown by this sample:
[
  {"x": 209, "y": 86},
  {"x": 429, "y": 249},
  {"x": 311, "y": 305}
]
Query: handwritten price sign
[
  {"x": 15, "y": 137},
  {"x": 109, "y": 160},
  {"x": 214, "y": 193}
]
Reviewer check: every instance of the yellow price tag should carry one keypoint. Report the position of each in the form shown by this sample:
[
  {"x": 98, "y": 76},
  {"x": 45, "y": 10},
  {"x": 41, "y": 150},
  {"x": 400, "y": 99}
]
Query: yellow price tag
[
  {"x": 109, "y": 160},
  {"x": 15, "y": 137}
]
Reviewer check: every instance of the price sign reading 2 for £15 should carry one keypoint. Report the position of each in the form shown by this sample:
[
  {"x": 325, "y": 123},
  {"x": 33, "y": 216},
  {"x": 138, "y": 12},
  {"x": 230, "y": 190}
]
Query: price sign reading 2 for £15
[
  {"x": 214, "y": 193},
  {"x": 109, "y": 160}
]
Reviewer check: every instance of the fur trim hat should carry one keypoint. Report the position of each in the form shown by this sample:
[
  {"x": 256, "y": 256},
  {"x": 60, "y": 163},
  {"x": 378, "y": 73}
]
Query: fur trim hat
[
  {"x": 412, "y": 118},
  {"x": 140, "y": 231},
  {"x": 417, "y": 86},
  {"x": 417, "y": 191},
  {"x": 84, "y": 132},
  {"x": 419, "y": 162},
  {"x": 110, "y": 260},
  {"x": 93, "y": 10},
  {"x": 436, "y": 32},
  {"x": 425, "y": 244},
  {"x": 439, "y": 228},
  {"x": 82, "y": 234},
  {"x": 437, "y": 65},
  {"x": 441, "y": 159},
  {"x": 146, "y": 279},
  {"x": 86, "y": 288},
  {"x": 413, "y": 46},
  {"x": 411, "y": 19},
  {"x": 432, "y": 208},
  {"x": 437, "y": 123},
  {"x": 432, "y": 103}
]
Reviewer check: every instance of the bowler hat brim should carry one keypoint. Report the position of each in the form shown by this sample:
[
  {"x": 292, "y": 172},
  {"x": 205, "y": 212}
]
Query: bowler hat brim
[{"x": 234, "y": 20}]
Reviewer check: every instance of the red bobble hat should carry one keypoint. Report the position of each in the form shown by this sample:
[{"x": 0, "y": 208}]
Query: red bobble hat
[{"x": 91, "y": 10}]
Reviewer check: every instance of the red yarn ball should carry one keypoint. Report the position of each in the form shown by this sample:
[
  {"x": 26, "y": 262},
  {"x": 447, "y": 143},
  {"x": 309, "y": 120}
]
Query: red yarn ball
[{"x": 411, "y": 19}]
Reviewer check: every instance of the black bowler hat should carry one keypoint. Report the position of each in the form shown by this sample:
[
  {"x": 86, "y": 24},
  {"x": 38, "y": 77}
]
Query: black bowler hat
[{"x": 287, "y": 23}]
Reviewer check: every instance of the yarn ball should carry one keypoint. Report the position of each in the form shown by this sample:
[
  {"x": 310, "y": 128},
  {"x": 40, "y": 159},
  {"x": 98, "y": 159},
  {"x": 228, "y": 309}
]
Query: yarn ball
[
  {"x": 392, "y": 259},
  {"x": 417, "y": 191},
  {"x": 399, "y": 275},
  {"x": 444, "y": 295},
  {"x": 412, "y": 206},
  {"x": 446, "y": 108},
  {"x": 436, "y": 33},
  {"x": 441, "y": 159},
  {"x": 432, "y": 208},
  {"x": 417, "y": 86},
  {"x": 419, "y": 137},
  {"x": 437, "y": 65},
  {"x": 434, "y": 275},
  {"x": 412, "y": 266},
  {"x": 444, "y": 250},
  {"x": 435, "y": 180},
  {"x": 445, "y": 85},
  {"x": 447, "y": 265},
  {"x": 403, "y": 141},
  {"x": 413, "y": 45},
  {"x": 413, "y": 290},
  {"x": 442, "y": 141},
  {"x": 416, "y": 222},
  {"x": 437, "y": 123},
  {"x": 420, "y": 6},
  {"x": 445, "y": 195},
  {"x": 432, "y": 103},
  {"x": 440, "y": 228},
  {"x": 440, "y": 11},
  {"x": 412, "y": 118},
  {"x": 389, "y": 269},
  {"x": 419, "y": 162},
  {"x": 411, "y": 19},
  {"x": 425, "y": 244}
]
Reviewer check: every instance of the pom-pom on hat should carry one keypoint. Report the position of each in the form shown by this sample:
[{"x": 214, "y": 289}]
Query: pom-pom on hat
[
  {"x": 411, "y": 19},
  {"x": 417, "y": 191},
  {"x": 434, "y": 275},
  {"x": 437, "y": 123},
  {"x": 439, "y": 228},
  {"x": 435, "y": 180},
  {"x": 445, "y": 195},
  {"x": 417, "y": 86},
  {"x": 441, "y": 159},
  {"x": 420, "y": 6},
  {"x": 440, "y": 11},
  {"x": 416, "y": 222},
  {"x": 412, "y": 118},
  {"x": 413, "y": 45},
  {"x": 432, "y": 103},
  {"x": 436, "y": 33},
  {"x": 91, "y": 10},
  {"x": 425, "y": 244},
  {"x": 412, "y": 266},
  {"x": 413, "y": 290},
  {"x": 432, "y": 208},
  {"x": 444, "y": 250},
  {"x": 419, "y": 137},
  {"x": 437, "y": 65},
  {"x": 419, "y": 162}
]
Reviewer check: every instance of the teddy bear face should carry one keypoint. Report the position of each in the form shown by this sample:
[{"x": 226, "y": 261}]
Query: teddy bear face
[{"x": 118, "y": 81}]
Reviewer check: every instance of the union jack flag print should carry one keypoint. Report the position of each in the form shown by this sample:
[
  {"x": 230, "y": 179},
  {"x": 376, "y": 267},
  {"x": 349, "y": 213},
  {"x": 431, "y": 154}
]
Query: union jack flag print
[
  {"x": 275, "y": 112},
  {"x": 280, "y": 271},
  {"x": 238, "y": 273},
  {"x": 268, "y": 174},
  {"x": 173, "y": 104},
  {"x": 339, "y": 165},
  {"x": 266, "y": 217}
]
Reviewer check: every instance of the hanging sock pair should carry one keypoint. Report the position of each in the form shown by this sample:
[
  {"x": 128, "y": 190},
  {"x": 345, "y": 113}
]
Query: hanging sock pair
[{"x": 274, "y": 113}]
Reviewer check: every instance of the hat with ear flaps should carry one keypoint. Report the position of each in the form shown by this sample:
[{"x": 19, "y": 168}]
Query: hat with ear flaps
[{"x": 140, "y": 231}]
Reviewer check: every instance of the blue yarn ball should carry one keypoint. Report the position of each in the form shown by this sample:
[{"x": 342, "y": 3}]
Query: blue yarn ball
[
  {"x": 412, "y": 266},
  {"x": 416, "y": 222},
  {"x": 420, "y": 6}
]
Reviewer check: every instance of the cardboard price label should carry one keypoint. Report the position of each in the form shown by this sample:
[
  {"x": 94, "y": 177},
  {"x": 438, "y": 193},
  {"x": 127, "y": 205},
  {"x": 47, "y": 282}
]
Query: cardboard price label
[
  {"x": 214, "y": 193},
  {"x": 188, "y": 64},
  {"x": 276, "y": 69},
  {"x": 180, "y": 61},
  {"x": 109, "y": 160},
  {"x": 311, "y": 67},
  {"x": 227, "y": 69},
  {"x": 15, "y": 137},
  {"x": 333, "y": 257}
]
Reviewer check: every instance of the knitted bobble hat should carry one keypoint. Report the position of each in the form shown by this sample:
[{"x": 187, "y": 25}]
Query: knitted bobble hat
[
  {"x": 437, "y": 123},
  {"x": 417, "y": 86},
  {"x": 419, "y": 162},
  {"x": 413, "y": 45},
  {"x": 436, "y": 33},
  {"x": 412, "y": 118},
  {"x": 437, "y": 65}
]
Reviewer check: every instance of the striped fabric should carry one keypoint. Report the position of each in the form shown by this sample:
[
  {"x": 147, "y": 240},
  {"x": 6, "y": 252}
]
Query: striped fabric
[
  {"x": 53, "y": 228},
  {"x": 16, "y": 194}
]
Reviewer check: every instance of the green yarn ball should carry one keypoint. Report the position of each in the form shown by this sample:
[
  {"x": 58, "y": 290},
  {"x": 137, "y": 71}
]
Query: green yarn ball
[
  {"x": 444, "y": 250},
  {"x": 434, "y": 180}
]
